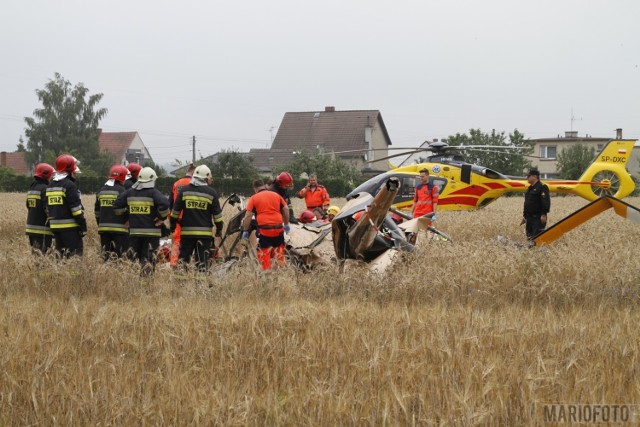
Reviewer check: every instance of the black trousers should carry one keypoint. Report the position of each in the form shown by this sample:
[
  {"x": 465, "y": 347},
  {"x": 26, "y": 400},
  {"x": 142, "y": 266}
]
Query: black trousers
[
  {"x": 40, "y": 243},
  {"x": 203, "y": 247},
  {"x": 144, "y": 249},
  {"x": 68, "y": 242},
  {"x": 114, "y": 244},
  {"x": 533, "y": 225}
]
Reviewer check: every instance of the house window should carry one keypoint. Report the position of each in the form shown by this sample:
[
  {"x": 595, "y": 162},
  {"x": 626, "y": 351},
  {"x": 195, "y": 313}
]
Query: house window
[
  {"x": 548, "y": 151},
  {"x": 549, "y": 176},
  {"x": 599, "y": 147}
]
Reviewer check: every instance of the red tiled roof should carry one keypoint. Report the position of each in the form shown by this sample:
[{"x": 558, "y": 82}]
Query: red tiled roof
[
  {"x": 116, "y": 143},
  {"x": 16, "y": 162}
]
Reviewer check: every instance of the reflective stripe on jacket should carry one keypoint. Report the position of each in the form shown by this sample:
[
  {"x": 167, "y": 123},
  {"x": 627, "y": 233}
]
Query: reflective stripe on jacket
[
  {"x": 108, "y": 221},
  {"x": 37, "y": 222},
  {"x": 198, "y": 207},
  {"x": 424, "y": 199},
  {"x": 144, "y": 206},
  {"x": 64, "y": 205}
]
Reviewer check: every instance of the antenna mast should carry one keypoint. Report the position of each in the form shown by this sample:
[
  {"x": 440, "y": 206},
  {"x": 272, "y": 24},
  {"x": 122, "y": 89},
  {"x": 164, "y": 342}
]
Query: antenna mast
[
  {"x": 270, "y": 130},
  {"x": 574, "y": 119}
]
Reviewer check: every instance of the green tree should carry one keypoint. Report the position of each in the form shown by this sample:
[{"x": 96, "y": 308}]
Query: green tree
[
  {"x": 325, "y": 165},
  {"x": 156, "y": 167},
  {"x": 6, "y": 175},
  {"x": 67, "y": 122},
  {"x": 506, "y": 160},
  {"x": 233, "y": 164},
  {"x": 574, "y": 160}
]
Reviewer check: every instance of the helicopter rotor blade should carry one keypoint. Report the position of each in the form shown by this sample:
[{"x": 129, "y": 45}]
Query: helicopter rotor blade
[
  {"x": 364, "y": 150},
  {"x": 397, "y": 155},
  {"x": 500, "y": 147},
  {"x": 508, "y": 154}
]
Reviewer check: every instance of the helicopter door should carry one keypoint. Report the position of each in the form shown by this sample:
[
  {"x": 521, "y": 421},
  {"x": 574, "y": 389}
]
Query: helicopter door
[
  {"x": 465, "y": 174},
  {"x": 407, "y": 188},
  {"x": 439, "y": 181}
]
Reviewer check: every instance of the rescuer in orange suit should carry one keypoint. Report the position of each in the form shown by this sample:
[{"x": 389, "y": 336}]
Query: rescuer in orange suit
[
  {"x": 175, "y": 241},
  {"x": 425, "y": 200},
  {"x": 314, "y": 194},
  {"x": 272, "y": 217}
]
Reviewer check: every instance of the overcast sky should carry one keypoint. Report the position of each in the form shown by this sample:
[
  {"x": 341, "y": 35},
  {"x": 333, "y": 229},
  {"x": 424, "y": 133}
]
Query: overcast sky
[{"x": 227, "y": 72}]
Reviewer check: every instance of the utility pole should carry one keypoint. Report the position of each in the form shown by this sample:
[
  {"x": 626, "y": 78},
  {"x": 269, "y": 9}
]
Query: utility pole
[{"x": 193, "y": 151}]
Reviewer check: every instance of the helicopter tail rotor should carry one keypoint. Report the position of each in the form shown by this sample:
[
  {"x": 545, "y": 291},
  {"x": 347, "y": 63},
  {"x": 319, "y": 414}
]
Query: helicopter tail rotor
[{"x": 607, "y": 175}]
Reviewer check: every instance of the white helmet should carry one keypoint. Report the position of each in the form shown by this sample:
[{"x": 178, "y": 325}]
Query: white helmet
[
  {"x": 147, "y": 175},
  {"x": 202, "y": 172}
]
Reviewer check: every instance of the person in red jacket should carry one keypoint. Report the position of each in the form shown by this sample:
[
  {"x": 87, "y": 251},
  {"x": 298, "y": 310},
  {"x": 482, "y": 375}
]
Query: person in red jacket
[
  {"x": 314, "y": 194},
  {"x": 272, "y": 217},
  {"x": 425, "y": 200},
  {"x": 174, "y": 256}
]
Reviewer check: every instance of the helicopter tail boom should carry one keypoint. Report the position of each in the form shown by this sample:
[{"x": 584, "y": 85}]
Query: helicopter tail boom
[{"x": 607, "y": 174}]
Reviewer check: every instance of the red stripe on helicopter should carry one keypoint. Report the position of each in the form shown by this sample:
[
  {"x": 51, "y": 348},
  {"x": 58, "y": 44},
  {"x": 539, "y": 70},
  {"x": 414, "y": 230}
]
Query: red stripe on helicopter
[
  {"x": 515, "y": 184},
  {"x": 494, "y": 185},
  {"x": 473, "y": 190},
  {"x": 470, "y": 201}
]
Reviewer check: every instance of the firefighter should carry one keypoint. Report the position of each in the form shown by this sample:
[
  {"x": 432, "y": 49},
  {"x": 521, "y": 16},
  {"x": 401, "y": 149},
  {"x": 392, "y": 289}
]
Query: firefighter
[
  {"x": 38, "y": 231},
  {"x": 112, "y": 228},
  {"x": 175, "y": 241},
  {"x": 134, "y": 170},
  {"x": 281, "y": 185},
  {"x": 64, "y": 206},
  {"x": 272, "y": 217},
  {"x": 425, "y": 200},
  {"x": 147, "y": 208},
  {"x": 197, "y": 209},
  {"x": 314, "y": 194},
  {"x": 537, "y": 204}
]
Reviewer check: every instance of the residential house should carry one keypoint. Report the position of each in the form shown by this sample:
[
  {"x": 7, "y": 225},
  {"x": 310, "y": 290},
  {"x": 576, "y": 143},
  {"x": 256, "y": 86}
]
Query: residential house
[
  {"x": 548, "y": 148},
  {"x": 16, "y": 162},
  {"x": 125, "y": 147},
  {"x": 358, "y": 136}
]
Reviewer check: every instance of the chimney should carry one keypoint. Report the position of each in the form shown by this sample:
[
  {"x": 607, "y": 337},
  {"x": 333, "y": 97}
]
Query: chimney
[
  {"x": 329, "y": 109},
  {"x": 3, "y": 159},
  {"x": 619, "y": 133},
  {"x": 571, "y": 134}
]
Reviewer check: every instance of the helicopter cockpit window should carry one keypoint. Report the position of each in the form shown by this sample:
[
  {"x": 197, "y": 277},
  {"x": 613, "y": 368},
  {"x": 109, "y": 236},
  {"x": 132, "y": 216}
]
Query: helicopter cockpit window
[
  {"x": 408, "y": 188},
  {"x": 439, "y": 182},
  {"x": 491, "y": 174}
]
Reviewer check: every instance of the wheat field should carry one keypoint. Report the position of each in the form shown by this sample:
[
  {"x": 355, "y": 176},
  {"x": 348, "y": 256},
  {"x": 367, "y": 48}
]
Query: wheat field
[{"x": 478, "y": 332}]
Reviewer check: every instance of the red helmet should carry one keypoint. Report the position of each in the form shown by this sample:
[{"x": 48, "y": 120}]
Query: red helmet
[
  {"x": 44, "y": 171},
  {"x": 284, "y": 180},
  {"x": 67, "y": 163},
  {"x": 119, "y": 173},
  {"x": 306, "y": 217},
  {"x": 135, "y": 169}
]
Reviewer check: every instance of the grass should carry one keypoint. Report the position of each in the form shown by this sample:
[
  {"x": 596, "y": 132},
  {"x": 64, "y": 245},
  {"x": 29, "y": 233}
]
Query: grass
[{"x": 475, "y": 333}]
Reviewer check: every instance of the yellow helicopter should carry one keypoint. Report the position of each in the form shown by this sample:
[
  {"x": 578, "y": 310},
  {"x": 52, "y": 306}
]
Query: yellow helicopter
[{"x": 465, "y": 186}]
